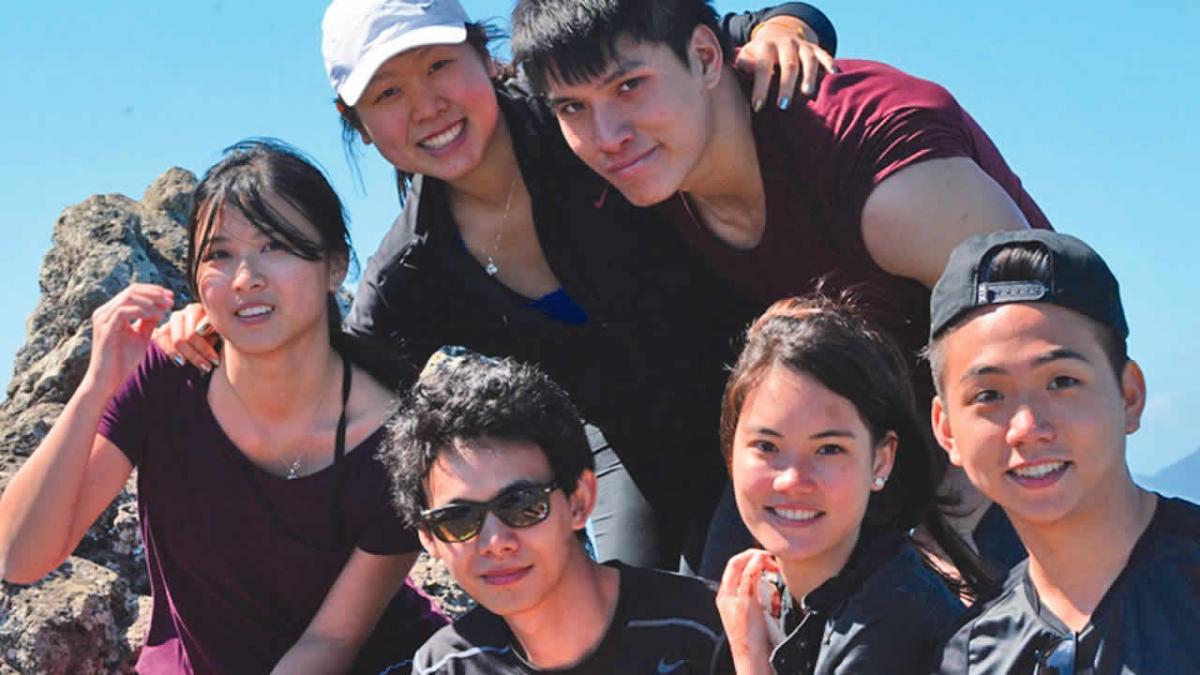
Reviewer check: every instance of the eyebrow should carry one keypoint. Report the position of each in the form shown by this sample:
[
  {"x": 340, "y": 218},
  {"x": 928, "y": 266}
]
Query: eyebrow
[
  {"x": 515, "y": 485},
  {"x": 828, "y": 433},
  {"x": 1057, "y": 354},
  {"x": 621, "y": 70},
  {"x": 225, "y": 238}
]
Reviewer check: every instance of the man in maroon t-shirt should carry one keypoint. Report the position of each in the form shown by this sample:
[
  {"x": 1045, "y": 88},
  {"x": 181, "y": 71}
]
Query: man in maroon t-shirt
[{"x": 866, "y": 186}]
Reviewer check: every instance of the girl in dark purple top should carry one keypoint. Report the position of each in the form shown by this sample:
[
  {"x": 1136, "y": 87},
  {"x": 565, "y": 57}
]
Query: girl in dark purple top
[{"x": 269, "y": 535}]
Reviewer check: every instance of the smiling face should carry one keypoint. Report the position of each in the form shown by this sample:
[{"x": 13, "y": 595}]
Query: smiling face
[
  {"x": 645, "y": 123},
  {"x": 803, "y": 464},
  {"x": 431, "y": 110},
  {"x": 257, "y": 292},
  {"x": 510, "y": 571},
  {"x": 1030, "y": 408}
]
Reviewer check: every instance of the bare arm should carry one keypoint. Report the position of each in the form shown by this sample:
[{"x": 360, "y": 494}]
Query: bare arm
[
  {"x": 75, "y": 473},
  {"x": 915, "y": 217},
  {"x": 348, "y": 615}
]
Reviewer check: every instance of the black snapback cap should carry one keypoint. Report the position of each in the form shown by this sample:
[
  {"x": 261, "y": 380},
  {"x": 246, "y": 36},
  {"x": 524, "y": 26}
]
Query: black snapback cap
[{"x": 1079, "y": 280}]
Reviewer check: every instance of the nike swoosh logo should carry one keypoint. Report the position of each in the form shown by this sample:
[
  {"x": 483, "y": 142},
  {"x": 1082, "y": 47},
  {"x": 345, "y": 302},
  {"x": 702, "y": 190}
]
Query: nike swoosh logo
[{"x": 664, "y": 667}]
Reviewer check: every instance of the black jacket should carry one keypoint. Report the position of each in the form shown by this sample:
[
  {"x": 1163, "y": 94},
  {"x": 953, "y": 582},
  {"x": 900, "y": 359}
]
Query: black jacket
[{"x": 647, "y": 367}]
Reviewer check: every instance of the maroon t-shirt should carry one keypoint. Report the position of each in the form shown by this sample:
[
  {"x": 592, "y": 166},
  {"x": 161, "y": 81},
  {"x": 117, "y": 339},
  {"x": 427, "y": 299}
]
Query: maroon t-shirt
[
  {"x": 240, "y": 560},
  {"x": 820, "y": 161}
]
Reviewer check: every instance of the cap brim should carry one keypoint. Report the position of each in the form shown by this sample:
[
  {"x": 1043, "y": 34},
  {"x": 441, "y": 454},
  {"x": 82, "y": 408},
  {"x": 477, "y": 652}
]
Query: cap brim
[{"x": 352, "y": 89}]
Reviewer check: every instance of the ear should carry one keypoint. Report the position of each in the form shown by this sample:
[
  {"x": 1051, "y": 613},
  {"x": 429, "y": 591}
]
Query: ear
[
  {"x": 705, "y": 54},
  {"x": 583, "y": 500},
  {"x": 885, "y": 458},
  {"x": 1133, "y": 394},
  {"x": 338, "y": 266},
  {"x": 428, "y": 543},
  {"x": 348, "y": 113},
  {"x": 939, "y": 417}
]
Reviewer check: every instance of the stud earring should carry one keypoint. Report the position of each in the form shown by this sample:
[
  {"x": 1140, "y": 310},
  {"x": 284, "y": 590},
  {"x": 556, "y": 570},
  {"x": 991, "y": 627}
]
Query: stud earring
[{"x": 879, "y": 482}]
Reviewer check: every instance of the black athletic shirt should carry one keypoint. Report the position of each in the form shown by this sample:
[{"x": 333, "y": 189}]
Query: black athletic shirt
[
  {"x": 664, "y": 623},
  {"x": 1147, "y": 622},
  {"x": 884, "y": 613}
]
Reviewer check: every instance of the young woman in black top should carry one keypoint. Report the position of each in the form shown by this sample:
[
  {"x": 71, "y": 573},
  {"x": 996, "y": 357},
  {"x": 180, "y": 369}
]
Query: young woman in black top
[{"x": 831, "y": 472}]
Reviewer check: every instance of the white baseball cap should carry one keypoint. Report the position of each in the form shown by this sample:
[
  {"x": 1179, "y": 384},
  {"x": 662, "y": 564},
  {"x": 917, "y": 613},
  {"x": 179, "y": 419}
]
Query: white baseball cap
[{"x": 357, "y": 36}]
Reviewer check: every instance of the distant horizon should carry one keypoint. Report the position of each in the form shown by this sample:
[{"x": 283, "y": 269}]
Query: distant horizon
[{"x": 1102, "y": 137}]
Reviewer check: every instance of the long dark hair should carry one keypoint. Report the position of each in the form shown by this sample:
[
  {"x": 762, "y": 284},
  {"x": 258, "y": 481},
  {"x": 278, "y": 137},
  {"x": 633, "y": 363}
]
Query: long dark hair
[
  {"x": 832, "y": 342},
  {"x": 248, "y": 172}
]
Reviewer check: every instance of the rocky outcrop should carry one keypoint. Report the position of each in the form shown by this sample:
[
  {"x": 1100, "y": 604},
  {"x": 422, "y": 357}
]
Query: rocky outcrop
[
  {"x": 91, "y": 614},
  {"x": 73, "y": 621},
  {"x": 78, "y": 619}
]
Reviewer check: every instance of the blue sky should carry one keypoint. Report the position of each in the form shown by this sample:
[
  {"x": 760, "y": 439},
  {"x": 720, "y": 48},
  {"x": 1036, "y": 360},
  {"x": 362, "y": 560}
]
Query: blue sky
[{"x": 1093, "y": 104}]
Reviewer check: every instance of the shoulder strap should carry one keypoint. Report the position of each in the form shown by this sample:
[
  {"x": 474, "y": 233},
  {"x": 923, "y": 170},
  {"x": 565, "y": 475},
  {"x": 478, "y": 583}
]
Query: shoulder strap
[{"x": 339, "y": 449}]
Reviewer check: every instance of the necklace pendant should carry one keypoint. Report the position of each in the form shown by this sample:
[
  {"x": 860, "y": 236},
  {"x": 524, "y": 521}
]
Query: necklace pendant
[
  {"x": 293, "y": 470},
  {"x": 490, "y": 267}
]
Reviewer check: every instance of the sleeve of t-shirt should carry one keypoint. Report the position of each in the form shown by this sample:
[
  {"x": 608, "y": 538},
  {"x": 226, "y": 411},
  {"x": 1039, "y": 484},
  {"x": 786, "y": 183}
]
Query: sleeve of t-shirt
[
  {"x": 127, "y": 419},
  {"x": 386, "y": 533},
  {"x": 931, "y": 127}
]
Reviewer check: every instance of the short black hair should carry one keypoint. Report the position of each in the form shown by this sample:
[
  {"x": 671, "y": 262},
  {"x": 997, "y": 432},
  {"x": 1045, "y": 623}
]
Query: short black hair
[
  {"x": 470, "y": 396},
  {"x": 1026, "y": 261},
  {"x": 573, "y": 41}
]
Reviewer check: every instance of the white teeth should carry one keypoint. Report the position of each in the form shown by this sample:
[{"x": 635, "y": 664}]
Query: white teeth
[
  {"x": 1039, "y": 470},
  {"x": 255, "y": 311},
  {"x": 442, "y": 139},
  {"x": 796, "y": 514}
]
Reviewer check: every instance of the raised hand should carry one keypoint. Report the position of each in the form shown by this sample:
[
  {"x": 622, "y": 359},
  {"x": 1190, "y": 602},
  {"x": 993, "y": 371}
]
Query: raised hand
[
  {"x": 121, "y": 331},
  {"x": 742, "y": 612}
]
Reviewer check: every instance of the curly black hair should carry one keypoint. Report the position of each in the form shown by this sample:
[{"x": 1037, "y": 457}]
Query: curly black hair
[{"x": 468, "y": 396}]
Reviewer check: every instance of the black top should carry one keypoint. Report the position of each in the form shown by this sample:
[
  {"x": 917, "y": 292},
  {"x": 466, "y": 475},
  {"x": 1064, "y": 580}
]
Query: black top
[
  {"x": 648, "y": 365},
  {"x": 663, "y": 623},
  {"x": 885, "y": 612},
  {"x": 997, "y": 540},
  {"x": 1147, "y": 622}
]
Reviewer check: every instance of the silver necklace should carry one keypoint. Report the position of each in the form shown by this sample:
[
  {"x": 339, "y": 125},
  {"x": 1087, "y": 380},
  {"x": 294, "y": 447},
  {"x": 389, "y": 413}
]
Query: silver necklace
[
  {"x": 292, "y": 468},
  {"x": 491, "y": 268}
]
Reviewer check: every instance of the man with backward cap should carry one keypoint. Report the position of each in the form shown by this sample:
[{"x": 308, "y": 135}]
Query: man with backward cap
[{"x": 1036, "y": 395}]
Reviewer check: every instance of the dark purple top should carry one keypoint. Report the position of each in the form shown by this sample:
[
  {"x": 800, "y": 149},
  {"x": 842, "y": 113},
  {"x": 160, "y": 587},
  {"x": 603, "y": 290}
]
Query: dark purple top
[
  {"x": 240, "y": 560},
  {"x": 820, "y": 161}
]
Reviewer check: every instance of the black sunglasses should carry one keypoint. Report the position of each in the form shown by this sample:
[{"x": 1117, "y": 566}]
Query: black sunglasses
[
  {"x": 1058, "y": 660},
  {"x": 459, "y": 521}
]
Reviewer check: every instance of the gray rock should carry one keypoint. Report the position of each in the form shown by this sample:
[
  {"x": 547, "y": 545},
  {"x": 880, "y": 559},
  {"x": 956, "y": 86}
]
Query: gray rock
[
  {"x": 72, "y": 621},
  {"x": 79, "y": 618}
]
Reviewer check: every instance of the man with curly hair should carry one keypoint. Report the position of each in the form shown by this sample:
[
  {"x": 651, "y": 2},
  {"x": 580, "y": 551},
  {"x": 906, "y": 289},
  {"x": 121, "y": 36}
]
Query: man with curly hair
[{"x": 491, "y": 464}]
